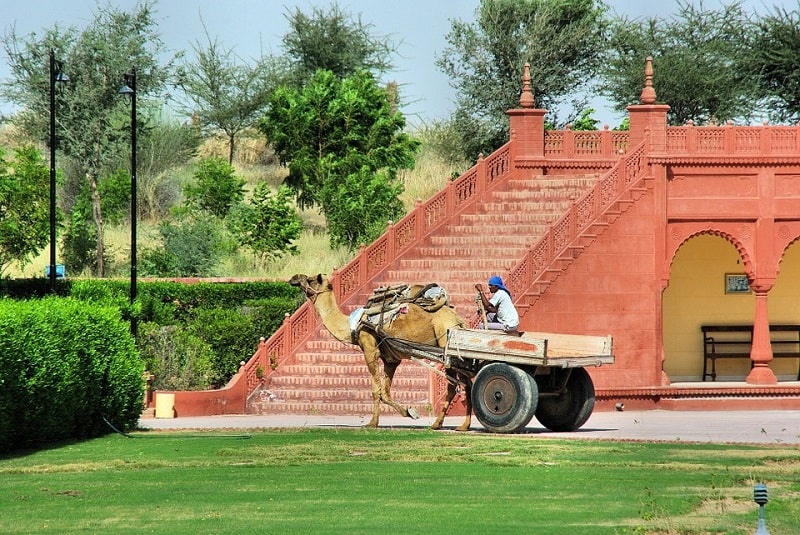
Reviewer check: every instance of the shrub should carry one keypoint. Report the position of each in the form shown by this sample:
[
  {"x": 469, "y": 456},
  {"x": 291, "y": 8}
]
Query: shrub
[
  {"x": 191, "y": 248},
  {"x": 65, "y": 365}
]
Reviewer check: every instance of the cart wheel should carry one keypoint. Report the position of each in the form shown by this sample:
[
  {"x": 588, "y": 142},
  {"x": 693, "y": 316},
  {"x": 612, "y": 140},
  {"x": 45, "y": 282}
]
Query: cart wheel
[
  {"x": 569, "y": 410},
  {"x": 504, "y": 397}
]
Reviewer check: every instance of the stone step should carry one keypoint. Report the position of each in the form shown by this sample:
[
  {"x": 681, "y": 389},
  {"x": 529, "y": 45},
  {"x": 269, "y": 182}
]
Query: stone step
[
  {"x": 403, "y": 391},
  {"x": 487, "y": 239},
  {"x": 517, "y": 235},
  {"x": 344, "y": 383},
  {"x": 551, "y": 207},
  {"x": 489, "y": 261},
  {"x": 489, "y": 221}
]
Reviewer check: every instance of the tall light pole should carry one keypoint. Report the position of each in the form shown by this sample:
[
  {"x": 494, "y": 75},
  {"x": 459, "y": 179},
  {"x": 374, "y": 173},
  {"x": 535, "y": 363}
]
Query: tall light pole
[
  {"x": 56, "y": 75},
  {"x": 129, "y": 88}
]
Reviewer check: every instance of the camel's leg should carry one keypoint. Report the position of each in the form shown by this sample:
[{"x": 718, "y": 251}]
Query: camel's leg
[
  {"x": 468, "y": 395},
  {"x": 452, "y": 388},
  {"x": 389, "y": 369},
  {"x": 451, "y": 393},
  {"x": 371, "y": 356}
]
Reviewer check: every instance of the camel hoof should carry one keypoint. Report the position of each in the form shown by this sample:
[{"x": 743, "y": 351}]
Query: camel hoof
[{"x": 413, "y": 413}]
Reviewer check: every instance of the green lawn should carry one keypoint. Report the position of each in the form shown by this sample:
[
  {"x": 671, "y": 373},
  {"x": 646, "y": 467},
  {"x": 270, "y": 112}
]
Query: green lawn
[{"x": 394, "y": 481}]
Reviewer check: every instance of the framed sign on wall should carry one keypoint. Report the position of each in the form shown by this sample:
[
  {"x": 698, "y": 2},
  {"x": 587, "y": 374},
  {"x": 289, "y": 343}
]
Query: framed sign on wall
[{"x": 736, "y": 283}]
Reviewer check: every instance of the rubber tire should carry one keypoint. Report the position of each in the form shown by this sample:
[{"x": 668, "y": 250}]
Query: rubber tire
[
  {"x": 504, "y": 397},
  {"x": 571, "y": 409}
]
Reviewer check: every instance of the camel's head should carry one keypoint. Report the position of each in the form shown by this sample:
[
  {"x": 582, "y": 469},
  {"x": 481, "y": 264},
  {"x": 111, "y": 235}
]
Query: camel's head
[{"x": 311, "y": 286}]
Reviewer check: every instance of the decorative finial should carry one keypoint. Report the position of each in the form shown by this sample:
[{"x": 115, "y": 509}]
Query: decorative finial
[
  {"x": 648, "y": 93},
  {"x": 526, "y": 98}
]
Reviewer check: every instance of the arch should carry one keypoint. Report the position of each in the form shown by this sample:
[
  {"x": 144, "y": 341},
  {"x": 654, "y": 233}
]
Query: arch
[
  {"x": 738, "y": 234},
  {"x": 696, "y": 296},
  {"x": 786, "y": 235}
]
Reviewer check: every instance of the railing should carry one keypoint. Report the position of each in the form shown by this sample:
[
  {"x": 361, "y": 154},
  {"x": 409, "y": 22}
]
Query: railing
[
  {"x": 732, "y": 140},
  {"x": 582, "y": 214},
  {"x": 585, "y": 144}
]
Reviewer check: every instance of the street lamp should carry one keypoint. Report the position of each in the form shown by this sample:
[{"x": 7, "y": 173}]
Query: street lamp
[
  {"x": 129, "y": 88},
  {"x": 56, "y": 75}
]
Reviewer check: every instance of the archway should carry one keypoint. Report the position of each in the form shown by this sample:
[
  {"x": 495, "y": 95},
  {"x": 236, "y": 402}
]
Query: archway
[
  {"x": 783, "y": 307},
  {"x": 697, "y": 295}
]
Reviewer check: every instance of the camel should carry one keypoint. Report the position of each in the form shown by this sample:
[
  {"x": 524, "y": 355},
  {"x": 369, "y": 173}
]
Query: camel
[{"x": 417, "y": 325}]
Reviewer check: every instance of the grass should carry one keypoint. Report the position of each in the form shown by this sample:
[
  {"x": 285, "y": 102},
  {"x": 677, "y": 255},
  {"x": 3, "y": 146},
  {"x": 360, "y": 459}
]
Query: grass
[{"x": 394, "y": 481}]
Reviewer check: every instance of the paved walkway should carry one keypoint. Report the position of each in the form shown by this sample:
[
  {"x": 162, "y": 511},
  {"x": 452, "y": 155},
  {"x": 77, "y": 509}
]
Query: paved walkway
[{"x": 762, "y": 427}]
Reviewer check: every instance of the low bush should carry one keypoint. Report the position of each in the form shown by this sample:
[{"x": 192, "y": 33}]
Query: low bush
[{"x": 65, "y": 365}]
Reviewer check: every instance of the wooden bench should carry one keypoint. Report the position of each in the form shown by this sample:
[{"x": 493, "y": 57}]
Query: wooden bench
[{"x": 735, "y": 341}]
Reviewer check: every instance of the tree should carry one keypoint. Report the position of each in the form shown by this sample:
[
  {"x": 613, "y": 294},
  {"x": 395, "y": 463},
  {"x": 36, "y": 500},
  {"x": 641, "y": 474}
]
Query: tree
[
  {"x": 334, "y": 135},
  {"x": 336, "y": 41},
  {"x": 697, "y": 58},
  {"x": 267, "y": 225},
  {"x": 217, "y": 189},
  {"x": 774, "y": 57},
  {"x": 563, "y": 40},
  {"x": 93, "y": 119},
  {"x": 24, "y": 206},
  {"x": 225, "y": 92}
]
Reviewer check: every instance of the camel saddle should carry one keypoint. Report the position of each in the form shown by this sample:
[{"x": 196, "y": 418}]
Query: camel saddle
[{"x": 387, "y": 302}]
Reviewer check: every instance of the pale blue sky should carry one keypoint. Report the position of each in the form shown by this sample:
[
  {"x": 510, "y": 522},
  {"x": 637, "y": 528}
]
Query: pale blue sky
[{"x": 253, "y": 25}]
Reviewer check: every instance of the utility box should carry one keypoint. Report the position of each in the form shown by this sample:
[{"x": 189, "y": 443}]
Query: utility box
[{"x": 61, "y": 271}]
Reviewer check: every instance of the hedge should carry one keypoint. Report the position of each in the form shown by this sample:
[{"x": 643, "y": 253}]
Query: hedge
[
  {"x": 66, "y": 366},
  {"x": 190, "y": 335}
]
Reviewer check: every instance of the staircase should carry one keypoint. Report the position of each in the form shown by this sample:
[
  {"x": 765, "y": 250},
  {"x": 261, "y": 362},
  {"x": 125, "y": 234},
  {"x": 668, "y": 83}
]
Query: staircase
[{"x": 489, "y": 237}]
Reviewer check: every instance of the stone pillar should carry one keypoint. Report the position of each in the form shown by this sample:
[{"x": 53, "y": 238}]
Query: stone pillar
[
  {"x": 761, "y": 351},
  {"x": 526, "y": 125},
  {"x": 648, "y": 118}
]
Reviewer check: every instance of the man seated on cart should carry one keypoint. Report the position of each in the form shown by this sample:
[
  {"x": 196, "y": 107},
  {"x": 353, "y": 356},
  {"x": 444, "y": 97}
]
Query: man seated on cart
[{"x": 500, "y": 311}]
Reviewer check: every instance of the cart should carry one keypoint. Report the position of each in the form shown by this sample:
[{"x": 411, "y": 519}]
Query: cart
[{"x": 516, "y": 377}]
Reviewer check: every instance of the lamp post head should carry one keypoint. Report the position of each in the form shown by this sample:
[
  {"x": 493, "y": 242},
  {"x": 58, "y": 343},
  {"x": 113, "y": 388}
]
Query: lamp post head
[
  {"x": 58, "y": 76},
  {"x": 129, "y": 84}
]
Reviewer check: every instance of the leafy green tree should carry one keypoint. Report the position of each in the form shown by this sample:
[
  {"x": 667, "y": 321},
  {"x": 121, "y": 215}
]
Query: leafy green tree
[
  {"x": 24, "y": 206},
  {"x": 698, "y": 56},
  {"x": 224, "y": 92},
  {"x": 773, "y": 58},
  {"x": 562, "y": 40},
  {"x": 334, "y": 135},
  {"x": 268, "y": 225},
  {"x": 93, "y": 119},
  {"x": 334, "y": 40},
  {"x": 217, "y": 188}
]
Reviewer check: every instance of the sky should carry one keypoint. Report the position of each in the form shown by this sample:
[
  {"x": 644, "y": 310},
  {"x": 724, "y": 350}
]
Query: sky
[{"x": 252, "y": 26}]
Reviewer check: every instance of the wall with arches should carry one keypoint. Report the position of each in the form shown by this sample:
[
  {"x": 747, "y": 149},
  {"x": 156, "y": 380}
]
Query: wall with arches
[{"x": 696, "y": 295}]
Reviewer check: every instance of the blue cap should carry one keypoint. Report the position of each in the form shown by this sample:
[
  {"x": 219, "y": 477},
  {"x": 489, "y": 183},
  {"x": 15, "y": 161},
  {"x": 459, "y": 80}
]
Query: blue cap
[{"x": 495, "y": 280}]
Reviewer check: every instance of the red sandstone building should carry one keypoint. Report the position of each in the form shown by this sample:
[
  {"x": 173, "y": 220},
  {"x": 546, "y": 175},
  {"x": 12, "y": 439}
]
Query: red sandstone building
[{"x": 649, "y": 235}]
